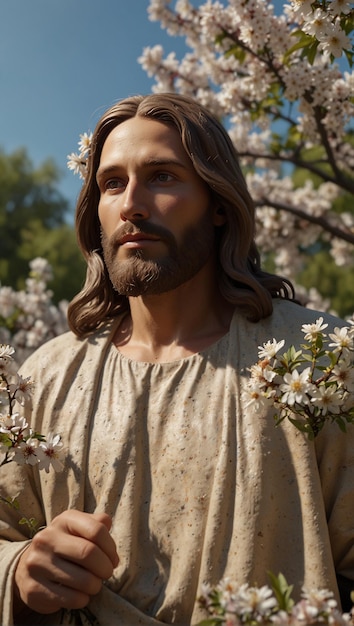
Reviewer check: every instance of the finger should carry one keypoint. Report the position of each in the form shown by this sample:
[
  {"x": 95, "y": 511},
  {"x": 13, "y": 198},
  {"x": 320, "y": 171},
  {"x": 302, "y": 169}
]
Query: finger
[
  {"x": 51, "y": 551},
  {"x": 73, "y": 576},
  {"x": 68, "y": 598},
  {"x": 87, "y": 555},
  {"x": 48, "y": 596},
  {"x": 92, "y": 527},
  {"x": 37, "y": 589},
  {"x": 104, "y": 519}
]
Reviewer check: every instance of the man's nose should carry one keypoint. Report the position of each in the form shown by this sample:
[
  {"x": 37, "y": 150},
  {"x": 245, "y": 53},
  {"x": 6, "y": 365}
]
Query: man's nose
[{"x": 134, "y": 205}]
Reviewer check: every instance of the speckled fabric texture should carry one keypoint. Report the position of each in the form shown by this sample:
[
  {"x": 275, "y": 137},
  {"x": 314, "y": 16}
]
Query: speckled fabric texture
[{"x": 197, "y": 486}]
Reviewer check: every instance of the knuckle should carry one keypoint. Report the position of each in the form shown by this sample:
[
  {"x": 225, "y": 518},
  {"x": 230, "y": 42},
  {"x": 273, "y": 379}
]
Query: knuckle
[
  {"x": 87, "y": 551},
  {"x": 31, "y": 591},
  {"x": 39, "y": 541},
  {"x": 94, "y": 530}
]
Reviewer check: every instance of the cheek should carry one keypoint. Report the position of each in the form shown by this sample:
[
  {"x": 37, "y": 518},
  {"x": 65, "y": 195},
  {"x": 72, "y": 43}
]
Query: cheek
[
  {"x": 107, "y": 217},
  {"x": 186, "y": 208},
  {"x": 196, "y": 207}
]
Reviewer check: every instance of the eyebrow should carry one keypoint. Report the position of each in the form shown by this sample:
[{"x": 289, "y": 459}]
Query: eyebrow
[{"x": 110, "y": 169}]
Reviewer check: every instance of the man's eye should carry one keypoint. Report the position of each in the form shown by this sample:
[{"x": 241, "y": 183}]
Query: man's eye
[
  {"x": 113, "y": 183},
  {"x": 164, "y": 177}
]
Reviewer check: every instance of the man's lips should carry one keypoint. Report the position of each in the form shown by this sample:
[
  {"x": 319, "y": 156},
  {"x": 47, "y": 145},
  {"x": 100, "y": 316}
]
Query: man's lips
[{"x": 136, "y": 237}]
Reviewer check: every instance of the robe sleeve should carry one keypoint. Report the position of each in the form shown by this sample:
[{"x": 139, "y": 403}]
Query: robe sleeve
[
  {"x": 16, "y": 482},
  {"x": 21, "y": 483},
  {"x": 40, "y": 496}
]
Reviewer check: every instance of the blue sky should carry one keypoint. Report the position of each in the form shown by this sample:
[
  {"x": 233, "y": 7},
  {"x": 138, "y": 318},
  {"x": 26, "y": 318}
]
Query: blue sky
[{"x": 62, "y": 63}]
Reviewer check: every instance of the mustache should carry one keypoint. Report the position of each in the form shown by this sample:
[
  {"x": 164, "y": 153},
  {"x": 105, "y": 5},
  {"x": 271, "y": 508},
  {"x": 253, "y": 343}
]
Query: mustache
[{"x": 144, "y": 228}]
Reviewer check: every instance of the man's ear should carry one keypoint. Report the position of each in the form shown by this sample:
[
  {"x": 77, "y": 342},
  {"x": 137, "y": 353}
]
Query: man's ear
[{"x": 219, "y": 216}]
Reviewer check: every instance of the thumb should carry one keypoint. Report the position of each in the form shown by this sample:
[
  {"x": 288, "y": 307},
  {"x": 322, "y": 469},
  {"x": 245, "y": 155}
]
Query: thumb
[{"x": 104, "y": 519}]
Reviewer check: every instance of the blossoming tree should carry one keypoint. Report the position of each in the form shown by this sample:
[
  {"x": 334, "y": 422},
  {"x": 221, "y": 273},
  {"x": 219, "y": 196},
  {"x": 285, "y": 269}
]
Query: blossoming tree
[
  {"x": 282, "y": 83},
  {"x": 29, "y": 317}
]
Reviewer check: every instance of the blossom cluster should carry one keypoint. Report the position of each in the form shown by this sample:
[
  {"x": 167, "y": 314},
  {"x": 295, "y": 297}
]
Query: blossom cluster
[
  {"x": 323, "y": 23},
  {"x": 77, "y": 161},
  {"x": 230, "y": 605},
  {"x": 28, "y": 317},
  {"x": 18, "y": 442},
  {"x": 310, "y": 385}
]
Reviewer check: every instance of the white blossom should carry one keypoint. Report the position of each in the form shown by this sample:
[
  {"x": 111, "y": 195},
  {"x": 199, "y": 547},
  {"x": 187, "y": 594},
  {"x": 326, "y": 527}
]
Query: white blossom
[
  {"x": 77, "y": 164},
  {"x": 7, "y": 366},
  {"x": 27, "y": 452},
  {"x": 334, "y": 42},
  {"x": 21, "y": 388},
  {"x": 13, "y": 424},
  {"x": 7, "y": 301},
  {"x": 316, "y": 23},
  {"x": 313, "y": 330},
  {"x": 254, "y": 600},
  {"x": 296, "y": 386},
  {"x": 51, "y": 453},
  {"x": 343, "y": 373},
  {"x": 270, "y": 348},
  {"x": 41, "y": 270},
  {"x": 6, "y": 351},
  {"x": 262, "y": 373},
  {"x": 341, "y": 339},
  {"x": 255, "y": 397},
  {"x": 85, "y": 143},
  {"x": 340, "y": 6},
  {"x": 328, "y": 399}
]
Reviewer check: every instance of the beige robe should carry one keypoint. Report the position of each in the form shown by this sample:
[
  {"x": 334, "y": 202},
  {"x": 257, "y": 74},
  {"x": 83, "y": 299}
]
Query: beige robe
[{"x": 198, "y": 486}]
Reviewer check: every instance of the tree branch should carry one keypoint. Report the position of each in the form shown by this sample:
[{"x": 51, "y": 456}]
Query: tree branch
[
  {"x": 313, "y": 219},
  {"x": 344, "y": 183}
]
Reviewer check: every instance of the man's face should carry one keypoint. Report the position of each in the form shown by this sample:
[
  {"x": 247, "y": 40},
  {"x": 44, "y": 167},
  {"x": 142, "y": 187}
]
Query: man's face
[{"x": 155, "y": 211}]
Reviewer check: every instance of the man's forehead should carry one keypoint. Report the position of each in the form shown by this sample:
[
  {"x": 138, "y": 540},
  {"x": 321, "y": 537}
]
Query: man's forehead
[
  {"x": 144, "y": 128},
  {"x": 145, "y": 140}
]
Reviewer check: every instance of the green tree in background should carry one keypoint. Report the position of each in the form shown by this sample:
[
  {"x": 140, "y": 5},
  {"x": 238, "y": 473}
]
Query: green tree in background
[
  {"x": 333, "y": 280},
  {"x": 334, "y": 283},
  {"x": 33, "y": 223}
]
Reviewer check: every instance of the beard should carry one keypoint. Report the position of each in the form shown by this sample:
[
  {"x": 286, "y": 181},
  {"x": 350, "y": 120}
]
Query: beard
[{"x": 138, "y": 275}]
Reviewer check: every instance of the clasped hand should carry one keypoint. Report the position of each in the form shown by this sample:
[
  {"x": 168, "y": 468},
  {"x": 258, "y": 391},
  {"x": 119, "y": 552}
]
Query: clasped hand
[{"x": 65, "y": 563}]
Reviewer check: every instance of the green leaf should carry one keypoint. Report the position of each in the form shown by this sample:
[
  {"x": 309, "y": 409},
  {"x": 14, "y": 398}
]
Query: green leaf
[
  {"x": 13, "y": 502},
  {"x": 350, "y": 56},
  {"x": 5, "y": 440},
  {"x": 31, "y": 524},
  {"x": 341, "y": 423},
  {"x": 282, "y": 591},
  {"x": 237, "y": 52},
  {"x": 304, "y": 40},
  {"x": 311, "y": 51},
  {"x": 304, "y": 427}
]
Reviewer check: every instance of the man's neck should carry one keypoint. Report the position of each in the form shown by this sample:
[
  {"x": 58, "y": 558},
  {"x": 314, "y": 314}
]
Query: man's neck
[{"x": 175, "y": 324}]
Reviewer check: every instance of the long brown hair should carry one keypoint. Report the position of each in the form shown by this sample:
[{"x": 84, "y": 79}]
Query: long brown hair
[{"x": 241, "y": 280}]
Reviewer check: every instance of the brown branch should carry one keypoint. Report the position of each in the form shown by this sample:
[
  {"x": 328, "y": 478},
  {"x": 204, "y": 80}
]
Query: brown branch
[
  {"x": 313, "y": 219},
  {"x": 324, "y": 140},
  {"x": 344, "y": 183}
]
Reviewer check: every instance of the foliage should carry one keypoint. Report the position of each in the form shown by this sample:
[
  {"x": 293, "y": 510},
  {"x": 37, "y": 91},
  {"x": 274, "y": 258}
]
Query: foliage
[
  {"x": 32, "y": 224},
  {"x": 333, "y": 282}
]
